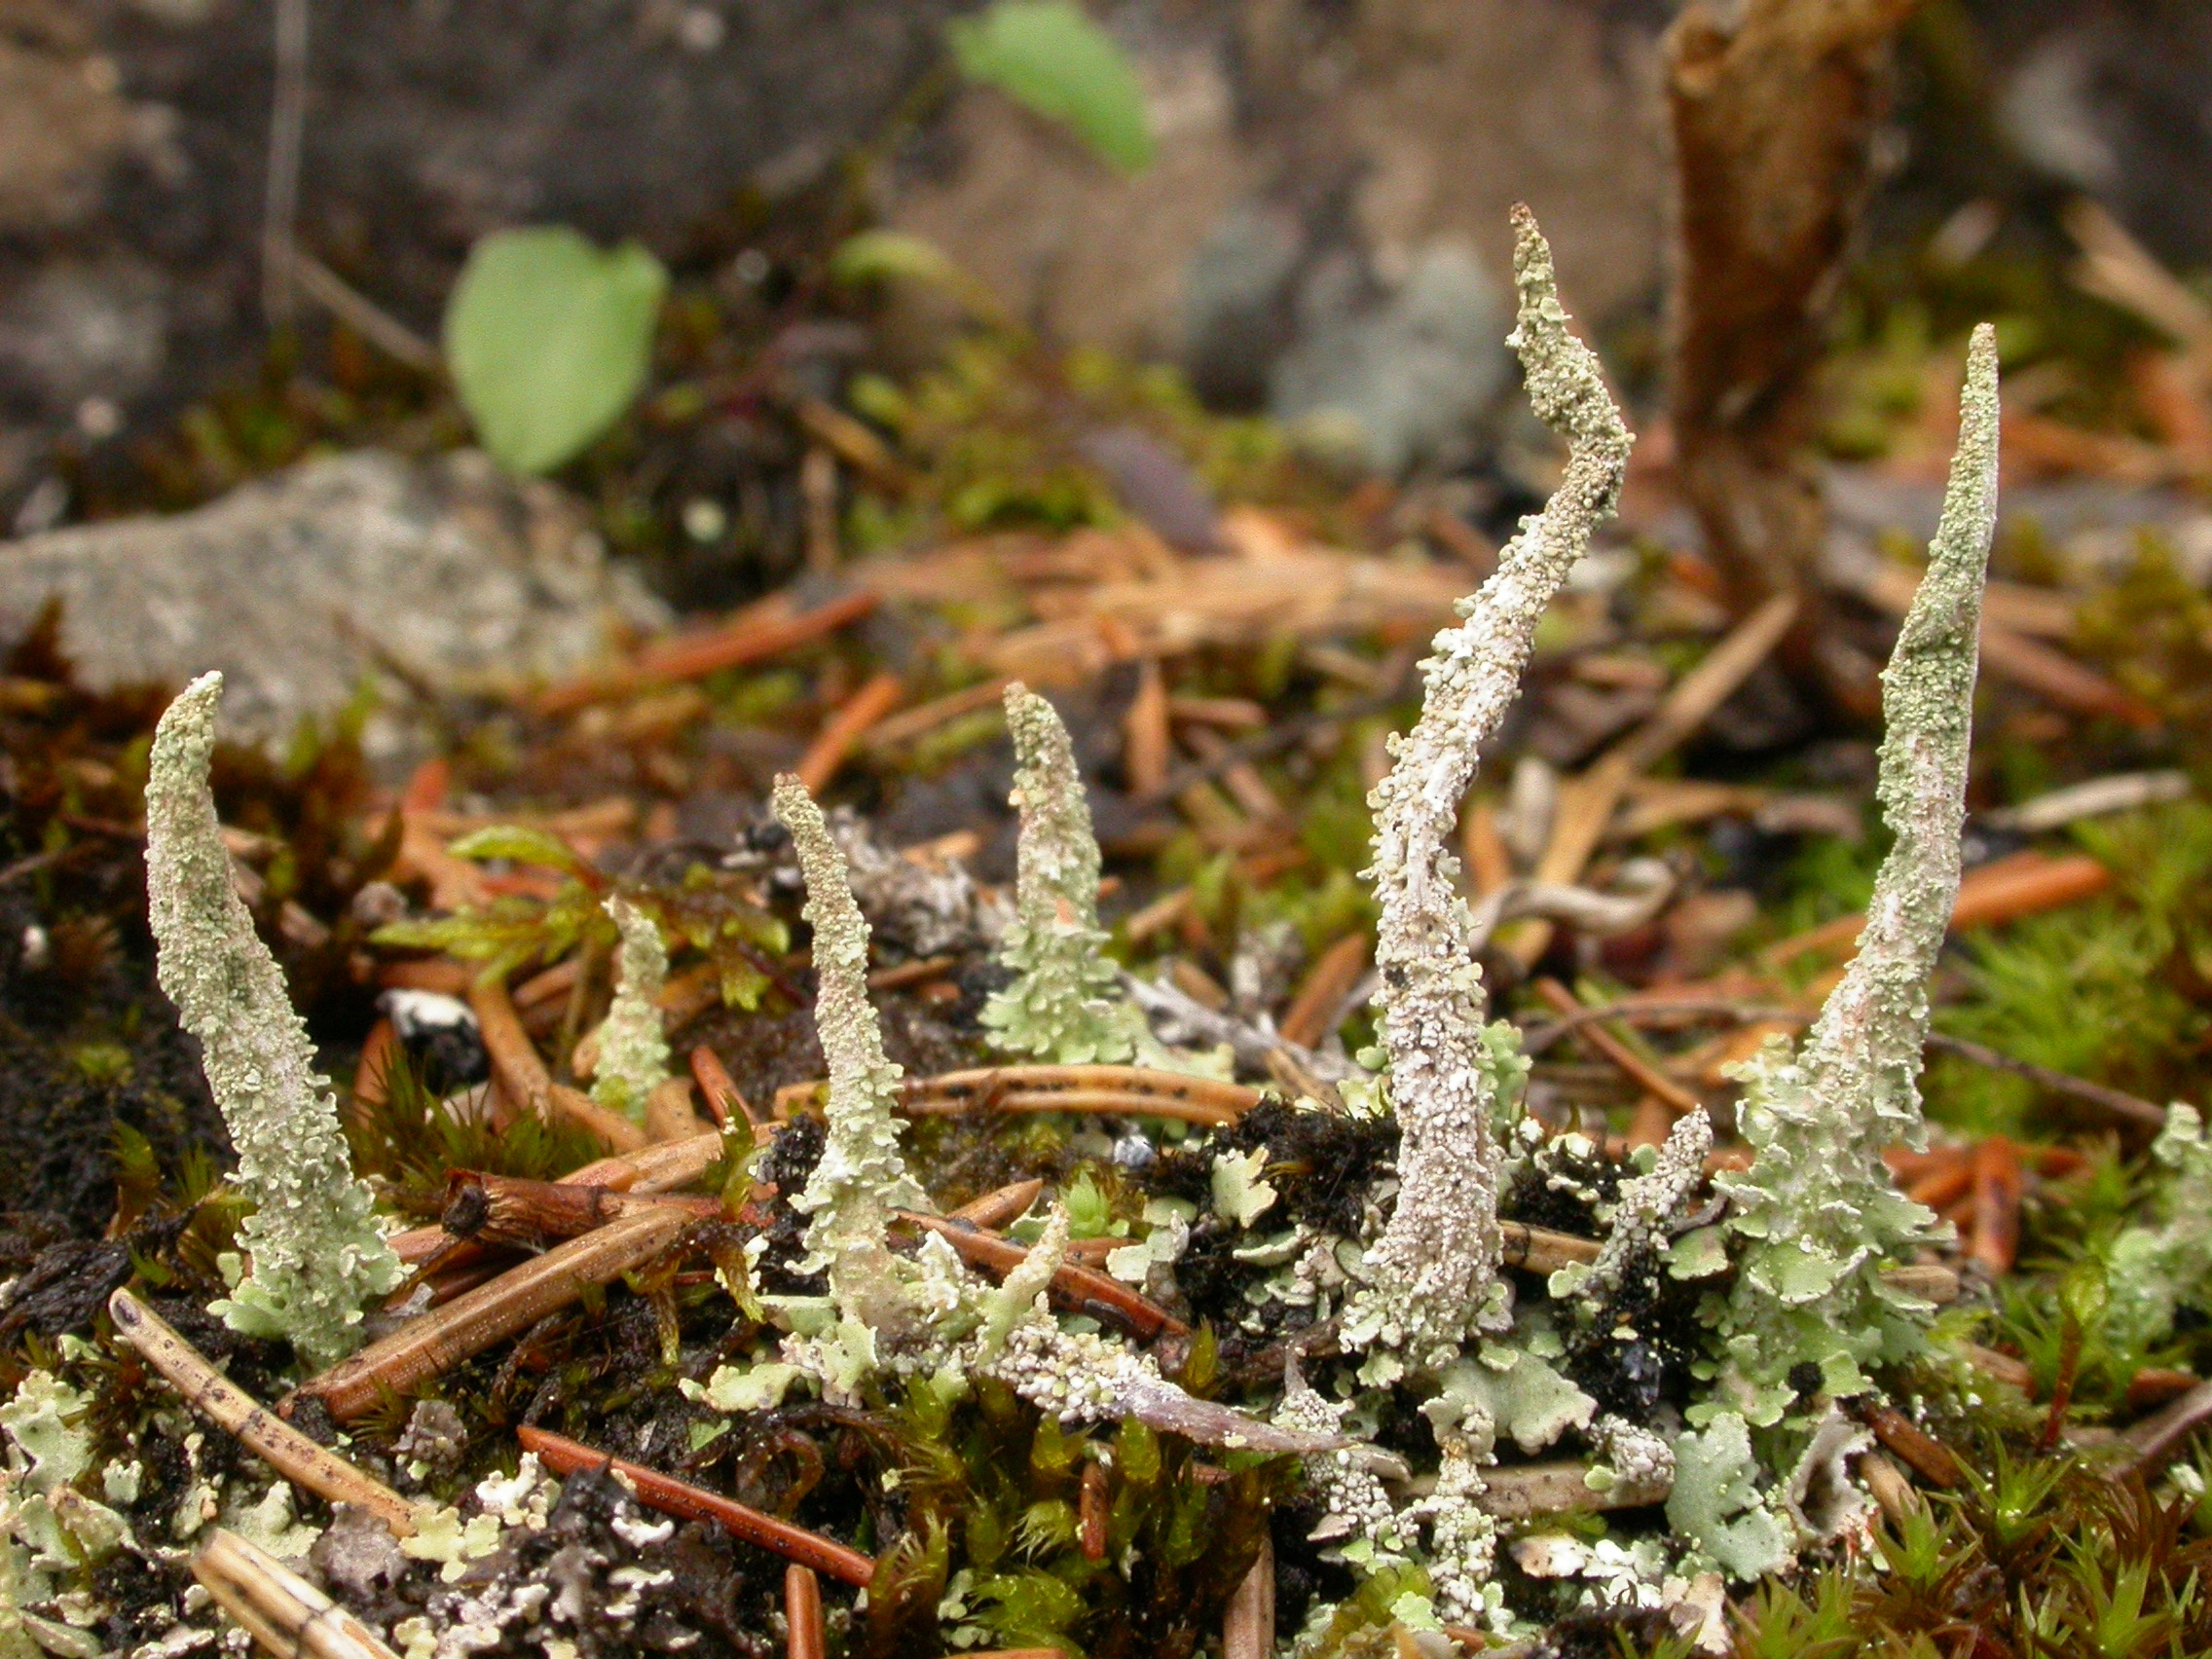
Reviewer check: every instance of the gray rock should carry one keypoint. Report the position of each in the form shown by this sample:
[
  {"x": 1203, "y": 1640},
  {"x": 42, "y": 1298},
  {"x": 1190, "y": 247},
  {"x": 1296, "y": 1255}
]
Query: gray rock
[{"x": 446, "y": 575}]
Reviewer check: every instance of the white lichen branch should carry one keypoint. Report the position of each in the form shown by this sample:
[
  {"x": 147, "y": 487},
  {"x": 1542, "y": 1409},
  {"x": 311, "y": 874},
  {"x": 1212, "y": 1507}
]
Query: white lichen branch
[
  {"x": 316, "y": 1255},
  {"x": 1433, "y": 1275},
  {"x": 862, "y": 1175}
]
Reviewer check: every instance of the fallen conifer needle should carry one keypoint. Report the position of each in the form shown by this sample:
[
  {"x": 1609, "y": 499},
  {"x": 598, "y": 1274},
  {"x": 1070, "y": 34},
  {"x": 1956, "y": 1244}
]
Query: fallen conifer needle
[
  {"x": 672, "y": 1496},
  {"x": 258, "y": 1429},
  {"x": 516, "y": 1300},
  {"x": 283, "y": 1612}
]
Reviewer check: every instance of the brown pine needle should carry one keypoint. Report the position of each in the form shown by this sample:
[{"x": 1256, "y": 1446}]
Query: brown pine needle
[
  {"x": 276, "y": 1442},
  {"x": 289, "y": 1617},
  {"x": 672, "y": 1496},
  {"x": 436, "y": 1342}
]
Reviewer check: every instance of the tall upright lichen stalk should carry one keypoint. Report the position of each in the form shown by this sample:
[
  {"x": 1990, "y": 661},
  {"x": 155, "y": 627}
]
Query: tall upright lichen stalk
[
  {"x": 316, "y": 1253},
  {"x": 862, "y": 1175},
  {"x": 1818, "y": 1208},
  {"x": 1061, "y": 1000},
  {"x": 1433, "y": 1275}
]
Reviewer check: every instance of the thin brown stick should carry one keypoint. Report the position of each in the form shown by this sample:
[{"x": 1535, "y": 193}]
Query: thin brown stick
[
  {"x": 289, "y": 1617},
  {"x": 2131, "y": 1108},
  {"x": 522, "y": 1074},
  {"x": 2003, "y": 890},
  {"x": 1586, "y": 802},
  {"x": 1074, "y": 1289},
  {"x": 717, "y": 1088},
  {"x": 906, "y": 973},
  {"x": 510, "y": 1211},
  {"x": 995, "y": 1210},
  {"x": 749, "y": 638},
  {"x": 672, "y": 1496},
  {"x": 1146, "y": 741},
  {"x": 925, "y": 717},
  {"x": 1631, "y": 1064},
  {"x": 1248, "y": 1625},
  {"x": 1090, "y": 1511},
  {"x": 1327, "y": 984},
  {"x": 834, "y": 743},
  {"x": 1526, "y": 1491},
  {"x": 805, "y": 1636},
  {"x": 2155, "y": 1439},
  {"x": 466, "y": 1326},
  {"x": 259, "y": 1431},
  {"x": 1927, "y": 1457}
]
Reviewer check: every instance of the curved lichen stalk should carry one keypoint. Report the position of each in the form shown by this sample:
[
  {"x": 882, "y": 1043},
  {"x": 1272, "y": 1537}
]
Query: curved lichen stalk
[
  {"x": 862, "y": 1175},
  {"x": 316, "y": 1253},
  {"x": 1433, "y": 1275},
  {"x": 1817, "y": 1205},
  {"x": 1062, "y": 999}
]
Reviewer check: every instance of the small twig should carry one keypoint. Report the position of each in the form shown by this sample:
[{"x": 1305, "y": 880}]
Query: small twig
[
  {"x": 363, "y": 315},
  {"x": 1929, "y": 1459},
  {"x": 1090, "y": 1511},
  {"x": 1248, "y": 1626},
  {"x": 805, "y": 1636},
  {"x": 717, "y": 1088},
  {"x": 1586, "y": 802},
  {"x": 2003, "y": 890},
  {"x": 1327, "y": 984},
  {"x": 287, "y": 136},
  {"x": 260, "y": 1431},
  {"x": 2154, "y": 1440},
  {"x": 844, "y": 731},
  {"x": 672, "y": 1496},
  {"x": 1132, "y": 1089},
  {"x": 1535, "y": 1039},
  {"x": 996, "y": 1209},
  {"x": 2131, "y": 1107},
  {"x": 1525, "y": 1491},
  {"x": 750, "y": 637},
  {"x": 1997, "y": 1183},
  {"x": 1074, "y": 1289},
  {"x": 510, "y": 1211},
  {"x": 906, "y": 973},
  {"x": 1632, "y": 1065},
  {"x": 436, "y": 1342},
  {"x": 1540, "y": 1250},
  {"x": 1282, "y": 735},
  {"x": 523, "y": 1076},
  {"x": 289, "y": 1617},
  {"x": 925, "y": 717}
]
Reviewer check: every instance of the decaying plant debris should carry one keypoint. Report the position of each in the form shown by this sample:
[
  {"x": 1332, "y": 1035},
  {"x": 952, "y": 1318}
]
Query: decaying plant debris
[{"x": 1108, "y": 1265}]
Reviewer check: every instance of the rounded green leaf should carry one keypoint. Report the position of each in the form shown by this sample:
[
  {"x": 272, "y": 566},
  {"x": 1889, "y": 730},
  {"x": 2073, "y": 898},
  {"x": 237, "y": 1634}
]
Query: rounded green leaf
[
  {"x": 549, "y": 338},
  {"x": 1049, "y": 55}
]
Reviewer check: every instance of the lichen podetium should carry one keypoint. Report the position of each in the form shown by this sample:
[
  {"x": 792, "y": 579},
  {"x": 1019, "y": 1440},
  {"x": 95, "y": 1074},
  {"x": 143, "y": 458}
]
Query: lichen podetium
[
  {"x": 1816, "y": 1208},
  {"x": 1063, "y": 1000},
  {"x": 316, "y": 1253},
  {"x": 862, "y": 1176},
  {"x": 1432, "y": 1278}
]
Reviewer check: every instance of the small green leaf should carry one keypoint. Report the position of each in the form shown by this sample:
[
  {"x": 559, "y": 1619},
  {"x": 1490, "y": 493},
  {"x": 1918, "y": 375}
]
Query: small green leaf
[
  {"x": 549, "y": 338},
  {"x": 1048, "y": 55},
  {"x": 520, "y": 844}
]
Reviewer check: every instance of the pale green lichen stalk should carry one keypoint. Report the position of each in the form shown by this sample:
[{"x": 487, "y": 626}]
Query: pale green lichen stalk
[
  {"x": 315, "y": 1252},
  {"x": 2158, "y": 1271},
  {"x": 1433, "y": 1275},
  {"x": 1063, "y": 1000},
  {"x": 862, "y": 1175},
  {"x": 633, "y": 1044},
  {"x": 1817, "y": 1209}
]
